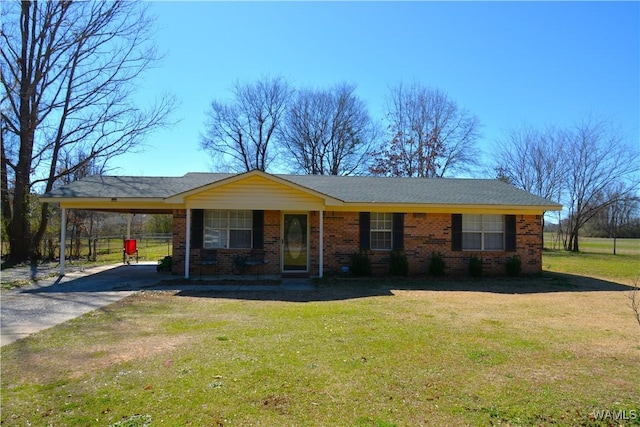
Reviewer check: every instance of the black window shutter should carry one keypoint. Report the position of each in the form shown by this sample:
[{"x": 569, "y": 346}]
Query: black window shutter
[
  {"x": 197, "y": 227},
  {"x": 258, "y": 229},
  {"x": 365, "y": 227},
  {"x": 510, "y": 233},
  {"x": 456, "y": 232},
  {"x": 398, "y": 231}
]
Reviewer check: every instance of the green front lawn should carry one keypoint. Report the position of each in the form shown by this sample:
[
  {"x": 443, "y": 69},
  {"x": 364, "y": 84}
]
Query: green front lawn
[
  {"x": 535, "y": 351},
  {"x": 616, "y": 268}
]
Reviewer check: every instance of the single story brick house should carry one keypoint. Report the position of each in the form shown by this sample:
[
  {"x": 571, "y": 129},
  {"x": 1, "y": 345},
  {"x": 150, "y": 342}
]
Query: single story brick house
[{"x": 310, "y": 224}]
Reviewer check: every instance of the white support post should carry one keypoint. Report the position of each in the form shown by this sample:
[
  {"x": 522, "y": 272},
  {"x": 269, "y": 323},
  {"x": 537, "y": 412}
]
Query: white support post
[
  {"x": 321, "y": 243},
  {"x": 187, "y": 252},
  {"x": 63, "y": 239}
]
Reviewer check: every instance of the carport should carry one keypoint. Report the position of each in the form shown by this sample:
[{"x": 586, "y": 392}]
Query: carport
[
  {"x": 63, "y": 229},
  {"x": 127, "y": 195}
]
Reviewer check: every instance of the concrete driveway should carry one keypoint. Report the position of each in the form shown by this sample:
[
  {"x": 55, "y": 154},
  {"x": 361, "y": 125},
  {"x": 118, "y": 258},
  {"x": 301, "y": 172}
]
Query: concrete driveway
[
  {"x": 51, "y": 301},
  {"x": 54, "y": 300}
]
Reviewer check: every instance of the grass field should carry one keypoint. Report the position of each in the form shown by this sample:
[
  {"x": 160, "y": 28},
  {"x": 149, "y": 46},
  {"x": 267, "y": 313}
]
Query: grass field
[
  {"x": 597, "y": 245},
  {"x": 556, "y": 350},
  {"x": 109, "y": 251},
  {"x": 596, "y": 259}
]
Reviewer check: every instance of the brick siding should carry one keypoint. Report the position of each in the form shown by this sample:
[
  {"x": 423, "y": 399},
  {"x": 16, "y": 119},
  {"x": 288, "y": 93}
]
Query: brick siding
[{"x": 424, "y": 234}]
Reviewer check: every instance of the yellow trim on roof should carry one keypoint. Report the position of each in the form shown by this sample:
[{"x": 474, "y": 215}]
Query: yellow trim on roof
[
  {"x": 180, "y": 198},
  {"x": 461, "y": 209}
]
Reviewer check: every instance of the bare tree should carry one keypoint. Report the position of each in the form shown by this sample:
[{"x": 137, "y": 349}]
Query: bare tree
[
  {"x": 532, "y": 160},
  {"x": 613, "y": 220},
  {"x": 240, "y": 133},
  {"x": 430, "y": 136},
  {"x": 68, "y": 69},
  {"x": 328, "y": 132},
  {"x": 80, "y": 221},
  {"x": 634, "y": 298},
  {"x": 575, "y": 166},
  {"x": 597, "y": 158}
]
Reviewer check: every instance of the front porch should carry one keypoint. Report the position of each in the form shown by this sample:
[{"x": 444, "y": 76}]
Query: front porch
[{"x": 290, "y": 241}]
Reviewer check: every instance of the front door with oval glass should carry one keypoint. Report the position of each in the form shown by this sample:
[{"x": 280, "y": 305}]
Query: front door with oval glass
[{"x": 295, "y": 242}]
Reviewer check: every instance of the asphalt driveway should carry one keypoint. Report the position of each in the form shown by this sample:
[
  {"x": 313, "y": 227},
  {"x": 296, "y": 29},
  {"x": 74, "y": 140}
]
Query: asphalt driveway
[{"x": 51, "y": 301}]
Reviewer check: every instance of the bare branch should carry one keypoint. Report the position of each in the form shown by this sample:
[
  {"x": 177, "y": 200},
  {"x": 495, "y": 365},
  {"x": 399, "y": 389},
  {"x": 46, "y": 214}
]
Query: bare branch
[
  {"x": 574, "y": 166},
  {"x": 429, "y": 135},
  {"x": 68, "y": 69},
  {"x": 328, "y": 132},
  {"x": 634, "y": 298},
  {"x": 240, "y": 134}
]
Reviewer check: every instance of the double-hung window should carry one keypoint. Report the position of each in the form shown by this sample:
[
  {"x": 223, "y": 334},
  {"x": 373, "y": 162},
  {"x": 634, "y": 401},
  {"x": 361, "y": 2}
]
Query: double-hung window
[
  {"x": 381, "y": 227},
  {"x": 228, "y": 229},
  {"x": 483, "y": 232}
]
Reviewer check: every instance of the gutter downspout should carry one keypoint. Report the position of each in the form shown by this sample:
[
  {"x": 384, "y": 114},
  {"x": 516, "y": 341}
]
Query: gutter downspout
[
  {"x": 321, "y": 244},
  {"x": 63, "y": 239},
  {"x": 187, "y": 252}
]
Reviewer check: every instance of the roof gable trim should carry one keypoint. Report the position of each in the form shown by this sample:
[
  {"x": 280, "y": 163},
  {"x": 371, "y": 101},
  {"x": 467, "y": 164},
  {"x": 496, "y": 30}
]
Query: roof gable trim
[{"x": 180, "y": 197}]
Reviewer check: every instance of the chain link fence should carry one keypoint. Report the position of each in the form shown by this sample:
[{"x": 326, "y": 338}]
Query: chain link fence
[{"x": 107, "y": 249}]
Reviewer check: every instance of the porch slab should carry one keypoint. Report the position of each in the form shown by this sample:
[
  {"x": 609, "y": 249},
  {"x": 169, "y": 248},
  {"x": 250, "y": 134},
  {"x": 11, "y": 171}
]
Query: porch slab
[{"x": 232, "y": 283}]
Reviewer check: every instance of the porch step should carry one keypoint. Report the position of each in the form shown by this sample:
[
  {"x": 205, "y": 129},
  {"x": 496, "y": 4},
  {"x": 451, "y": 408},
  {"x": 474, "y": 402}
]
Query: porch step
[{"x": 295, "y": 275}]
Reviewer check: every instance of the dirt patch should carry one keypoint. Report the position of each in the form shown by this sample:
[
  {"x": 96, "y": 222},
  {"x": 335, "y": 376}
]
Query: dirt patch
[
  {"x": 96, "y": 358},
  {"x": 278, "y": 404},
  {"x": 91, "y": 359}
]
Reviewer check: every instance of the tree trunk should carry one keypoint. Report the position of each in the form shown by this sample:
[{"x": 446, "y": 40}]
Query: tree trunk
[
  {"x": 20, "y": 234},
  {"x": 42, "y": 228},
  {"x": 573, "y": 239},
  {"x": 4, "y": 188},
  {"x": 44, "y": 46}
]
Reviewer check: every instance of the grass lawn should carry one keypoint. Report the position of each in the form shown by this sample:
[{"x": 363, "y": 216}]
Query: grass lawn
[
  {"x": 149, "y": 249},
  {"x": 597, "y": 245},
  {"x": 552, "y": 350},
  {"x": 617, "y": 268}
]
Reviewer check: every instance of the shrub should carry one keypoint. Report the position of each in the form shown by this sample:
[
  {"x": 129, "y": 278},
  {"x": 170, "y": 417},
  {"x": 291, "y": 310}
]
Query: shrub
[
  {"x": 514, "y": 266},
  {"x": 399, "y": 263},
  {"x": 164, "y": 264},
  {"x": 361, "y": 264},
  {"x": 436, "y": 264},
  {"x": 475, "y": 267}
]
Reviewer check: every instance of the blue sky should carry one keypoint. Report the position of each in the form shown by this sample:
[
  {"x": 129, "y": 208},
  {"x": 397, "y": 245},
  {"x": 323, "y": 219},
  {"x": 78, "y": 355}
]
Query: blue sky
[{"x": 509, "y": 63}]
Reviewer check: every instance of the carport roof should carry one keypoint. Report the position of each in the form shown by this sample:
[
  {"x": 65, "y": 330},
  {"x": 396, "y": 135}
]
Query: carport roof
[{"x": 136, "y": 187}]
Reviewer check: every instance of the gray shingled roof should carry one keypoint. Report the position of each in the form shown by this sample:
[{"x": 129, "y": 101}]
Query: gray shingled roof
[
  {"x": 435, "y": 191},
  {"x": 133, "y": 186}
]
